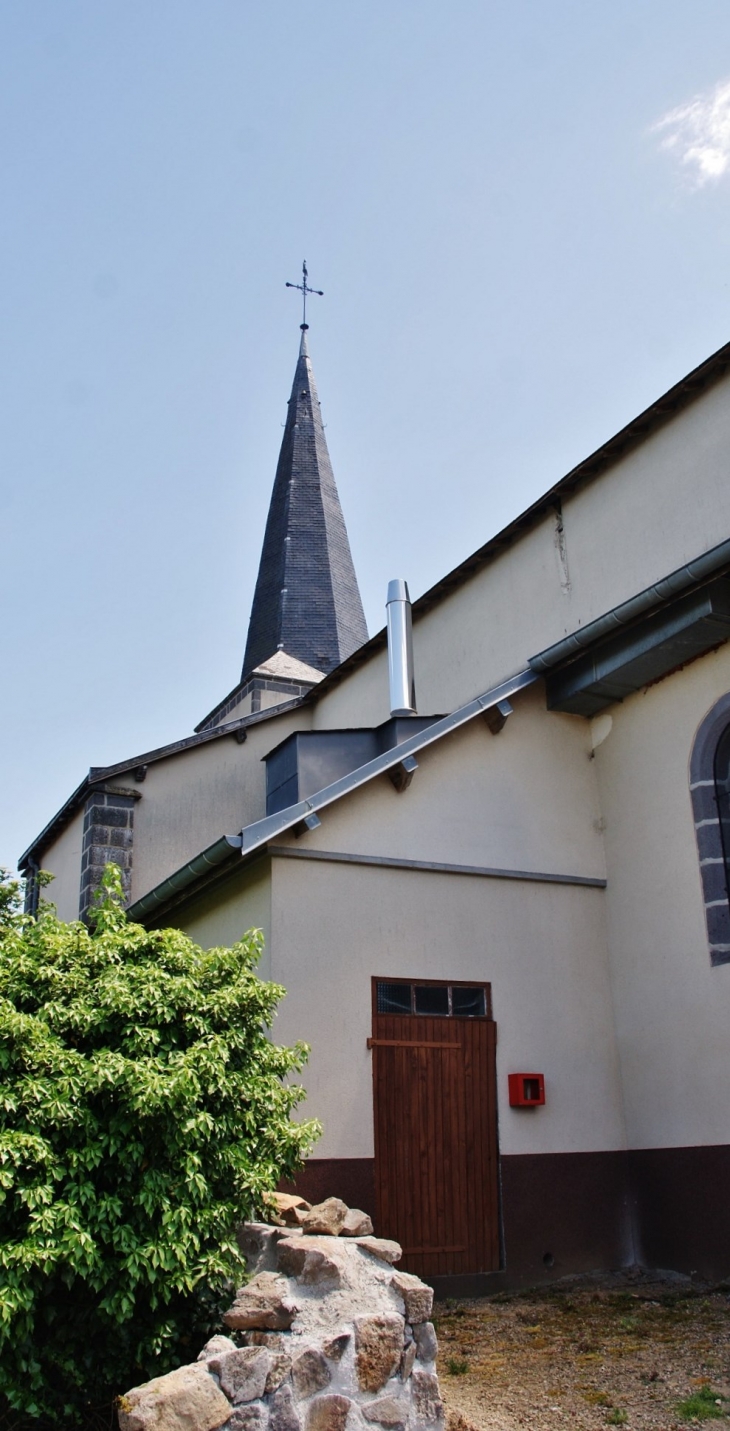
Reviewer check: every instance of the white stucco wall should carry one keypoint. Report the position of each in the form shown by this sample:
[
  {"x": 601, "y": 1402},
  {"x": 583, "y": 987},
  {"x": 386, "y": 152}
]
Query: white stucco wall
[
  {"x": 523, "y": 799},
  {"x": 193, "y": 798},
  {"x": 664, "y": 503},
  {"x": 224, "y": 914},
  {"x": 63, "y": 860},
  {"x": 672, "y": 1007},
  {"x": 541, "y": 947}
]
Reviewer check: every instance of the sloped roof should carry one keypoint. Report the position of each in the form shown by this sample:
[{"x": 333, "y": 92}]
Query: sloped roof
[{"x": 306, "y": 601}]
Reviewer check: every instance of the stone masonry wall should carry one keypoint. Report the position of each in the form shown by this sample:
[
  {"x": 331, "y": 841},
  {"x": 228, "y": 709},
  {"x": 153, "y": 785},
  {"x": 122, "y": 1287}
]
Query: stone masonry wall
[
  {"x": 107, "y": 839},
  {"x": 334, "y": 1339}
]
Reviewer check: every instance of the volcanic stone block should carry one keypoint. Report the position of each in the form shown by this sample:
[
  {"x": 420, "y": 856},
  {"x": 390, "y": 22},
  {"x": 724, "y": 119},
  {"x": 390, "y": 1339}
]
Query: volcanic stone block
[
  {"x": 264, "y": 1303},
  {"x": 427, "y": 1402},
  {"x": 216, "y": 1347},
  {"x": 425, "y": 1337},
  {"x": 328, "y": 1413},
  {"x": 326, "y": 1217},
  {"x": 184, "y": 1399},
  {"x": 278, "y": 1372},
  {"x": 417, "y": 1296},
  {"x": 283, "y": 1415},
  {"x": 254, "y": 1416},
  {"x": 379, "y": 1348},
  {"x": 242, "y": 1372},
  {"x": 357, "y": 1224},
  {"x": 381, "y": 1248},
  {"x": 310, "y": 1373},
  {"x": 390, "y": 1411},
  {"x": 336, "y": 1347}
]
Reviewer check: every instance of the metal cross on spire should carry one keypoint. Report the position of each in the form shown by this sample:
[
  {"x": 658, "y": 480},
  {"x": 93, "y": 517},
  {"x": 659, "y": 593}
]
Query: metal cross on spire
[{"x": 304, "y": 289}]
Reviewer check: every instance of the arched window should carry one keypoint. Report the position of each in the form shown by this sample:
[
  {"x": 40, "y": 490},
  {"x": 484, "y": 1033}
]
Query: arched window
[
  {"x": 710, "y": 790},
  {"x": 722, "y": 795}
]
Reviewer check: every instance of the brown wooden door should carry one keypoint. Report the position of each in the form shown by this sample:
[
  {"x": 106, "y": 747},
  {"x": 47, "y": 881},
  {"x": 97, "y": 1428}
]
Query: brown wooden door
[{"x": 436, "y": 1140}]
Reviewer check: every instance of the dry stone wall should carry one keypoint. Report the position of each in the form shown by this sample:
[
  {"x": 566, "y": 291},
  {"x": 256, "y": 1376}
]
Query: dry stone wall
[{"x": 331, "y": 1337}]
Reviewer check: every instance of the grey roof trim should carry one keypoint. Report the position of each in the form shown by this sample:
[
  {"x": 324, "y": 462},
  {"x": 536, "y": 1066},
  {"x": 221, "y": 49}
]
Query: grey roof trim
[
  {"x": 712, "y": 370},
  {"x": 267, "y": 829},
  {"x": 255, "y": 838},
  {"x": 653, "y": 597},
  {"x": 393, "y": 862},
  {"x": 99, "y": 773}
]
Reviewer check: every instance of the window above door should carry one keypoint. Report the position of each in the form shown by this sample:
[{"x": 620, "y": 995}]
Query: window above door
[{"x": 432, "y": 998}]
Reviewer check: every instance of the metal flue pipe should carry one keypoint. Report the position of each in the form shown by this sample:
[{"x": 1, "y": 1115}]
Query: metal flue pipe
[{"x": 400, "y": 650}]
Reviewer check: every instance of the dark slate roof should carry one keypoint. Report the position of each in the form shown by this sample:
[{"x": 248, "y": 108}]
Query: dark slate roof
[{"x": 307, "y": 601}]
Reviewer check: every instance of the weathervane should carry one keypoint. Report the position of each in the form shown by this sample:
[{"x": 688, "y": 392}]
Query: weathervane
[{"x": 304, "y": 289}]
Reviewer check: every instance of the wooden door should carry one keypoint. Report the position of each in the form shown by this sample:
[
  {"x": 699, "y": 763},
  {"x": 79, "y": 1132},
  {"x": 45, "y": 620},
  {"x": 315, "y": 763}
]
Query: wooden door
[{"x": 435, "y": 1128}]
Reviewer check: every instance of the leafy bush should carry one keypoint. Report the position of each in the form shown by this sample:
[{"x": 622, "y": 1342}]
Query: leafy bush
[{"x": 143, "y": 1113}]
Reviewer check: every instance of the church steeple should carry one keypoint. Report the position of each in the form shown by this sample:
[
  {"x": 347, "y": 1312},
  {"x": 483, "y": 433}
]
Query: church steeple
[{"x": 306, "y": 603}]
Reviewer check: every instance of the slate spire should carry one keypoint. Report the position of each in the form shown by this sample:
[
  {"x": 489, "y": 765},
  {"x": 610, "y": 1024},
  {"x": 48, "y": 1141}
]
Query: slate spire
[{"x": 306, "y": 601}]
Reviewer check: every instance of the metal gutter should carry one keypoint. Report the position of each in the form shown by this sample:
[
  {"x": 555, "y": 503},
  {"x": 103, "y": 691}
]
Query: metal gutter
[
  {"x": 272, "y": 825},
  {"x": 209, "y": 859},
  {"x": 650, "y": 599},
  {"x": 257, "y": 836}
]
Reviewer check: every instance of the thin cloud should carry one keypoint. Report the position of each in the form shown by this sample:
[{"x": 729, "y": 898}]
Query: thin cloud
[{"x": 698, "y": 134}]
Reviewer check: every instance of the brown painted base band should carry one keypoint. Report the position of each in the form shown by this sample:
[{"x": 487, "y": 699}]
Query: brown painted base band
[
  {"x": 566, "y": 1213},
  {"x": 682, "y": 1197}
]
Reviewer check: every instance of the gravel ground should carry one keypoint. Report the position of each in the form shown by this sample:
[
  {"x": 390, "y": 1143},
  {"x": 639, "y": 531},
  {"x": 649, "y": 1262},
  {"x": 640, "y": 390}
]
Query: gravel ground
[{"x": 622, "y": 1350}]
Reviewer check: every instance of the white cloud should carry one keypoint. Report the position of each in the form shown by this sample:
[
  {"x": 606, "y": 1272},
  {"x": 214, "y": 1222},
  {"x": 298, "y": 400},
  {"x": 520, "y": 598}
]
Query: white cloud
[{"x": 698, "y": 134}]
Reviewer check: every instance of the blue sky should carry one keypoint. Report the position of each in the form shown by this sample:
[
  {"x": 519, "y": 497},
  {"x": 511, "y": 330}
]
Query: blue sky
[{"x": 520, "y": 216}]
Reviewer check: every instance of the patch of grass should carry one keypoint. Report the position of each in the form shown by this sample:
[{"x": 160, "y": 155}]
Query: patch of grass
[
  {"x": 703, "y": 1405},
  {"x": 628, "y": 1324},
  {"x": 597, "y": 1398},
  {"x": 617, "y": 1417},
  {"x": 456, "y": 1366}
]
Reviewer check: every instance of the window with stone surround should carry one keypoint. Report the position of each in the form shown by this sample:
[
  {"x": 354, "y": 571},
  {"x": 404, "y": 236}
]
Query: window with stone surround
[{"x": 710, "y": 791}]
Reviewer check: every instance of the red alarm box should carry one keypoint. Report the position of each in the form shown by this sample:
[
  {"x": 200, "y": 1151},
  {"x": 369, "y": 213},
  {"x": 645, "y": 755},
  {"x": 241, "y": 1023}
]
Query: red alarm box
[{"x": 526, "y": 1090}]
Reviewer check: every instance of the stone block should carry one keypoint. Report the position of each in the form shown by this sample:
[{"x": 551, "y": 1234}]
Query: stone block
[
  {"x": 320, "y": 1270},
  {"x": 291, "y": 1254},
  {"x": 275, "y": 1341},
  {"x": 263, "y": 1303},
  {"x": 328, "y": 1413},
  {"x": 310, "y": 1373},
  {"x": 427, "y": 1402},
  {"x": 357, "y": 1224},
  {"x": 336, "y": 1346},
  {"x": 283, "y": 1414},
  {"x": 381, "y": 1248},
  {"x": 286, "y": 1205},
  {"x": 407, "y": 1360},
  {"x": 378, "y": 1348},
  {"x": 426, "y": 1342},
  {"x": 326, "y": 1217},
  {"x": 242, "y": 1372},
  {"x": 391, "y": 1411},
  {"x": 184, "y": 1400},
  {"x": 258, "y": 1242},
  {"x": 254, "y": 1416},
  {"x": 216, "y": 1347},
  {"x": 278, "y": 1372},
  {"x": 418, "y": 1298}
]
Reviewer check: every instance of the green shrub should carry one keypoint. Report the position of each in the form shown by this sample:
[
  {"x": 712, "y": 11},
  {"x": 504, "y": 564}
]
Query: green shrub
[{"x": 143, "y": 1113}]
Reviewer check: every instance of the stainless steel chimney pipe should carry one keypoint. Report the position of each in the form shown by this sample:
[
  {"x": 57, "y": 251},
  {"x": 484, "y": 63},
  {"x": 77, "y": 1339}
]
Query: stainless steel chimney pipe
[{"x": 400, "y": 650}]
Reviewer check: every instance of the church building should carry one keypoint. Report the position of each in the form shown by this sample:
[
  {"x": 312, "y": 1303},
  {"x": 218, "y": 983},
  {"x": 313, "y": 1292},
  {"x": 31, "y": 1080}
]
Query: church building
[{"x": 489, "y": 848}]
